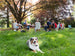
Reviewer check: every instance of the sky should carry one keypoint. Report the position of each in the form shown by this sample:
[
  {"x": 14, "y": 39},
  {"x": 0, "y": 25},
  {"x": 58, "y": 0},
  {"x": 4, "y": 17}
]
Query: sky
[{"x": 33, "y": 1}]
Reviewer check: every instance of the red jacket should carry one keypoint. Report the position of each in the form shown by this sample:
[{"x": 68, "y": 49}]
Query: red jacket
[
  {"x": 61, "y": 25},
  {"x": 55, "y": 25}
]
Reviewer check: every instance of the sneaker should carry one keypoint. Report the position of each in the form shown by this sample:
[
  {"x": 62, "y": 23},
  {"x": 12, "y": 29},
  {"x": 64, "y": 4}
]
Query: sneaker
[{"x": 14, "y": 30}]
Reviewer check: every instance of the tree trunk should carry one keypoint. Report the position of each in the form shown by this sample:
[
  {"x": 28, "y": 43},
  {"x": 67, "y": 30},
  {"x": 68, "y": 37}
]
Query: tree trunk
[
  {"x": 19, "y": 19},
  {"x": 7, "y": 17}
]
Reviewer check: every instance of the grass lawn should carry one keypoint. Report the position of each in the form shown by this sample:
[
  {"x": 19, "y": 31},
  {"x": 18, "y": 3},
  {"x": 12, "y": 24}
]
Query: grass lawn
[{"x": 61, "y": 43}]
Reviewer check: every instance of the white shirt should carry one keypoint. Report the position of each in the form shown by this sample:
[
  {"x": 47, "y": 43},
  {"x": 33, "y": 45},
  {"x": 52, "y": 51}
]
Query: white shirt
[
  {"x": 58, "y": 26},
  {"x": 37, "y": 25},
  {"x": 15, "y": 25}
]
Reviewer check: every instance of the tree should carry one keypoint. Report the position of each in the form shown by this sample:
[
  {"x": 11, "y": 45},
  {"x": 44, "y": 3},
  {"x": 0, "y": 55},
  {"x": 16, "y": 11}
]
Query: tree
[
  {"x": 58, "y": 8},
  {"x": 19, "y": 8},
  {"x": 20, "y": 12}
]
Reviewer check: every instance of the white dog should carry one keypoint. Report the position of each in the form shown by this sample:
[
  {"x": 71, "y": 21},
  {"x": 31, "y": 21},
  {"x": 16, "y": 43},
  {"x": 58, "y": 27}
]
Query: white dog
[{"x": 33, "y": 44}]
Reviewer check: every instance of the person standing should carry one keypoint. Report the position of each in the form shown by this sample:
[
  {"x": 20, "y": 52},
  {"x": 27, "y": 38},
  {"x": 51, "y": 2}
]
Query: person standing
[
  {"x": 59, "y": 25},
  {"x": 45, "y": 27},
  {"x": 62, "y": 26},
  {"x": 37, "y": 25},
  {"x": 55, "y": 26}
]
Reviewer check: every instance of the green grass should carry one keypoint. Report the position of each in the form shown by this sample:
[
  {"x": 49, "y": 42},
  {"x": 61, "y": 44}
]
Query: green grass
[{"x": 61, "y": 43}]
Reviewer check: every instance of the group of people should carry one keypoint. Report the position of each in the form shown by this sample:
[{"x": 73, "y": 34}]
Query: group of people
[
  {"x": 18, "y": 26},
  {"x": 53, "y": 25},
  {"x": 47, "y": 27}
]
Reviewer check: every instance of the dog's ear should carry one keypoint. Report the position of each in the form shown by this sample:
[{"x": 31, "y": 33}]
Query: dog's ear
[{"x": 31, "y": 39}]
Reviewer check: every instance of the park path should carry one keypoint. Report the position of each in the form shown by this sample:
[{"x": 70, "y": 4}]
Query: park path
[{"x": 5, "y": 29}]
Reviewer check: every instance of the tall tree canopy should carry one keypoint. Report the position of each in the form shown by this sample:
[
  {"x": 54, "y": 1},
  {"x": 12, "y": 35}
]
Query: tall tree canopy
[
  {"x": 57, "y": 8},
  {"x": 21, "y": 8}
]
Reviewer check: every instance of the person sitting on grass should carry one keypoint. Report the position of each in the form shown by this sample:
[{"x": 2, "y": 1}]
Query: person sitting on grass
[
  {"x": 25, "y": 24},
  {"x": 20, "y": 26},
  {"x": 12, "y": 25},
  {"x": 49, "y": 25},
  {"x": 28, "y": 27},
  {"x": 37, "y": 26},
  {"x": 15, "y": 25}
]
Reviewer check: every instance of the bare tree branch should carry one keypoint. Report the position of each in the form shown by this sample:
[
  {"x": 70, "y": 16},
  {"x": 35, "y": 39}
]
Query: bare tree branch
[
  {"x": 11, "y": 8},
  {"x": 25, "y": 5},
  {"x": 33, "y": 5},
  {"x": 32, "y": 11},
  {"x": 20, "y": 9},
  {"x": 24, "y": 8},
  {"x": 18, "y": 2},
  {"x": 35, "y": 9},
  {"x": 27, "y": 15},
  {"x": 15, "y": 6}
]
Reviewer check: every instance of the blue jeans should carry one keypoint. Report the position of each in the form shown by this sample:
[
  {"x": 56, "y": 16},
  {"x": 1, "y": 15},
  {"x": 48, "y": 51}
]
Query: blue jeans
[{"x": 45, "y": 28}]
